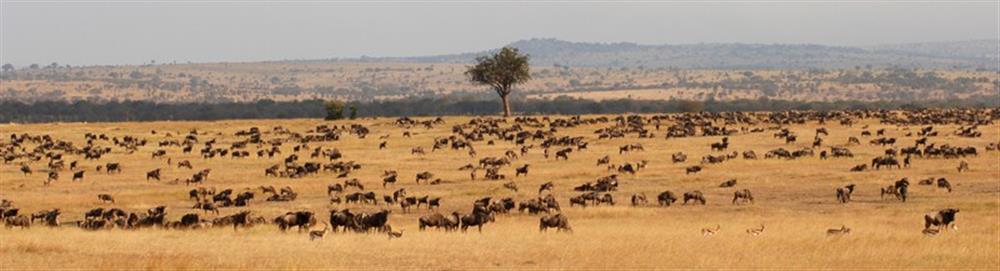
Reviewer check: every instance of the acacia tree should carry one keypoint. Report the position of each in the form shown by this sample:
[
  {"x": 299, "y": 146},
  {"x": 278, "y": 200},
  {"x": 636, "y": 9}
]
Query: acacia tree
[{"x": 501, "y": 71}]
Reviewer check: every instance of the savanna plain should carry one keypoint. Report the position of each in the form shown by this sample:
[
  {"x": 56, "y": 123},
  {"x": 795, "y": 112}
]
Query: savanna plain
[{"x": 794, "y": 199}]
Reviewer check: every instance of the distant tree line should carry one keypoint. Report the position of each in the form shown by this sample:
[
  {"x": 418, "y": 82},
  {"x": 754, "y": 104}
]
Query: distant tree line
[{"x": 55, "y": 111}]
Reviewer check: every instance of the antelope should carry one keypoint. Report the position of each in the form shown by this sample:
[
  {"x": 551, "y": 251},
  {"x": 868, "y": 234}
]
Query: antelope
[
  {"x": 756, "y": 232},
  {"x": 710, "y": 231}
]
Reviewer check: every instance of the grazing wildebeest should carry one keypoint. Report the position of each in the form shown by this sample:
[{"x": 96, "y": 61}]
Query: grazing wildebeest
[
  {"x": 558, "y": 221},
  {"x": 692, "y": 169},
  {"x": 841, "y": 231},
  {"x": 696, "y": 196},
  {"x": 353, "y": 182},
  {"x": 941, "y": 218},
  {"x": 522, "y": 170},
  {"x": 155, "y": 174},
  {"x": 859, "y": 168},
  {"x": 17, "y": 221},
  {"x": 438, "y": 220},
  {"x": 331, "y": 188},
  {"x": 425, "y": 176},
  {"x": 639, "y": 199},
  {"x": 113, "y": 167},
  {"x": 185, "y": 164},
  {"x": 742, "y": 195},
  {"x": 578, "y": 200},
  {"x": 389, "y": 179},
  {"x": 479, "y": 217},
  {"x": 342, "y": 219},
  {"x": 511, "y": 185},
  {"x": 963, "y": 166},
  {"x": 728, "y": 183},
  {"x": 943, "y": 183},
  {"x": 844, "y": 193},
  {"x": 546, "y": 186},
  {"x": 78, "y": 175},
  {"x": 25, "y": 169},
  {"x": 377, "y": 221},
  {"x": 301, "y": 219},
  {"x": 666, "y": 198},
  {"x": 564, "y": 153},
  {"x": 106, "y": 198},
  {"x": 678, "y": 157},
  {"x": 902, "y": 187}
]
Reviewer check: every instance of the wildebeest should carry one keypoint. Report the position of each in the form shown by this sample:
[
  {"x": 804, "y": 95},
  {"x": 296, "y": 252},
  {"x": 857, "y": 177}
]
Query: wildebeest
[
  {"x": 106, "y": 198},
  {"x": 78, "y": 175},
  {"x": 301, "y": 219},
  {"x": 666, "y": 198},
  {"x": 742, "y": 195},
  {"x": 941, "y": 218},
  {"x": 479, "y": 217},
  {"x": 558, "y": 221},
  {"x": 844, "y": 193},
  {"x": 522, "y": 170},
  {"x": 728, "y": 183},
  {"x": 692, "y": 169},
  {"x": 437, "y": 220},
  {"x": 154, "y": 174},
  {"x": 695, "y": 196},
  {"x": 425, "y": 176},
  {"x": 943, "y": 183},
  {"x": 639, "y": 199}
]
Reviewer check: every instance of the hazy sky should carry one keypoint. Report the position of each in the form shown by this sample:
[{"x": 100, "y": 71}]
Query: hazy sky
[{"x": 89, "y": 32}]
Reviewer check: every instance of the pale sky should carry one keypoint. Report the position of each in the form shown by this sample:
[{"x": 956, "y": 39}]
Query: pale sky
[{"x": 98, "y": 32}]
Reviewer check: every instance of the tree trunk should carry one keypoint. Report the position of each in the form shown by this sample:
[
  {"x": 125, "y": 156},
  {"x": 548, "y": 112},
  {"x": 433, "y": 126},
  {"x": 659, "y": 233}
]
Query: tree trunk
[{"x": 506, "y": 105}]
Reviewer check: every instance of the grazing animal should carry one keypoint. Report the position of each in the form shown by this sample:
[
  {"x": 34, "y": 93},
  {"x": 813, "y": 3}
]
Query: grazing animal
[
  {"x": 728, "y": 183},
  {"x": 844, "y": 193},
  {"x": 639, "y": 199},
  {"x": 320, "y": 234},
  {"x": 393, "y": 234},
  {"x": 843, "y": 230},
  {"x": 558, "y": 221},
  {"x": 695, "y": 196},
  {"x": 106, "y": 198},
  {"x": 546, "y": 186},
  {"x": 666, "y": 198},
  {"x": 155, "y": 174},
  {"x": 692, "y": 169},
  {"x": 78, "y": 175},
  {"x": 711, "y": 231},
  {"x": 941, "y": 218},
  {"x": 963, "y": 166},
  {"x": 522, "y": 170},
  {"x": 756, "y": 232},
  {"x": 943, "y": 183},
  {"x": 742, "y": 195}
]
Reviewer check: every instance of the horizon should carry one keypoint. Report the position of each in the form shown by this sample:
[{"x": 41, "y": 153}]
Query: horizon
[{"x": 98, "y": 33}]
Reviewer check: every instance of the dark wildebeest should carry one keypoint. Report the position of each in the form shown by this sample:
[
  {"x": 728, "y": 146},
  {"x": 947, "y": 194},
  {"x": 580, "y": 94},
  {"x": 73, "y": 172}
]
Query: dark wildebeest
[
  {"x": 332, "y": 188},
  {"x": 943, "y": 183},
  {"x": 546, "y": 186},
  {"x": 902, "y": 187},
  {"x": 301, "y": 219},
  {"x": 728, "y": 183},
  {"x": 106, "y": 198},
  {"x": 155, "y": 174},
  {"x": 78, "y": 175},
  {"x": 941, "y": 218},
  {"x": 844, "y": 193},
  {"x": 378, "y": 221},
  {"x": 666, "y": 198},
  {"x": 696, "y": 196},
  {"x": 742, "y": 195},
  {"x": 522, "y": 170},
  {"x": 438, "y": 220},
  {"x": 558, "y": 221},
  {"x": 639, "y": 199},
  {"x": 478, "y": 217},
  {"x": 425, "y": 176},
  {"x": 341, "y": 219},
  {"x": 692, "y": 169}
]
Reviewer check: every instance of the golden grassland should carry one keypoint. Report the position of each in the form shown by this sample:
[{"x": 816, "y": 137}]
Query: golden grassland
[{"x": 794, "y": 200}]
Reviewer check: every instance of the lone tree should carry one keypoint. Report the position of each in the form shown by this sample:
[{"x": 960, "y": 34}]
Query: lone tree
[{"x": 501, "y": 71}]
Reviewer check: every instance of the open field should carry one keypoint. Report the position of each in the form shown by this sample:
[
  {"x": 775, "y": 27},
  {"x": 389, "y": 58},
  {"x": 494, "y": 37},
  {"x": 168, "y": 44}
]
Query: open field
[
  {"x": 794, "y": 199},
  {"x": 341, "y": 80}
]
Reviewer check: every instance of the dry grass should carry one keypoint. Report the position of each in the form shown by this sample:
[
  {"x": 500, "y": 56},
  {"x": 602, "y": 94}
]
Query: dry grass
[{"x": 795, "y": 201}]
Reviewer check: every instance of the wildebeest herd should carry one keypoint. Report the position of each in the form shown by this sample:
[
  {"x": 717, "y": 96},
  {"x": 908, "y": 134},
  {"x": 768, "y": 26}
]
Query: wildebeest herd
[{"x": 357, "y": 202}]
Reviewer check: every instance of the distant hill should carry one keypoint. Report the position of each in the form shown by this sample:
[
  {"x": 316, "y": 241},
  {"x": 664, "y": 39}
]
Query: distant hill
[{"x": 966, "y": 55}]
